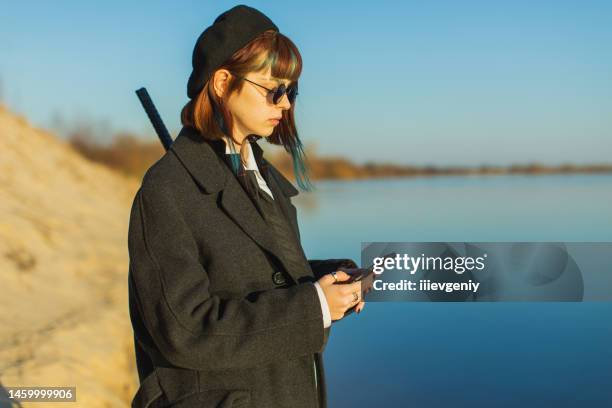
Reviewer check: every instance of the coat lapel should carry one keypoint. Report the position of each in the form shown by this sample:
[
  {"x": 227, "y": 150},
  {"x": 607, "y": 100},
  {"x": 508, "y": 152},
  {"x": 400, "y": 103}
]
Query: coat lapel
[
  {"x": 210, "y": 173},
  {"x": 281, "y": 188},
  {"x": 279, "y": 194}
]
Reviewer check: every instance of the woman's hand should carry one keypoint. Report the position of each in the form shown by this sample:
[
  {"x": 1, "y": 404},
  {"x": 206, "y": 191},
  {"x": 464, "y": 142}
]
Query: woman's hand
[{"x": 340, "y": 298}]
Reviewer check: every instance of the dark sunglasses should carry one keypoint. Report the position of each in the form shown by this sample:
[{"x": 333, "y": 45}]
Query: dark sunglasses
[{"x": 277, "y": 93}]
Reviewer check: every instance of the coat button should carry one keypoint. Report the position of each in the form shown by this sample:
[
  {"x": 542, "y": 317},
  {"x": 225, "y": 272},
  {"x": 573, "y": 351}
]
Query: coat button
[{"x": 278, "y": 278}]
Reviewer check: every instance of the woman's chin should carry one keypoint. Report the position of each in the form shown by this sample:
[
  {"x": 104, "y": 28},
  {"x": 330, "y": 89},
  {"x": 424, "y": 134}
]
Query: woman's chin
[{"x": 267, "y": 131}]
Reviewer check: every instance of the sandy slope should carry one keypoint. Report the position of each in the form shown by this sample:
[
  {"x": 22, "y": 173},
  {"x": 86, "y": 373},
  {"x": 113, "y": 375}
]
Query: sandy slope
[{"x": 63, "y": 264}]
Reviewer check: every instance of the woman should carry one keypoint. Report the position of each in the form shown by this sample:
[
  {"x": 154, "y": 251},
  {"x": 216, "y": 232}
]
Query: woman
[{"x": 226, "y": 309}]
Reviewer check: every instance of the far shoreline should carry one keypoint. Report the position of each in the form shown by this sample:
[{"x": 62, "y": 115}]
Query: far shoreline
[
  {"x": 322, "y": 168},
  {"x": 467, "y": 175}
]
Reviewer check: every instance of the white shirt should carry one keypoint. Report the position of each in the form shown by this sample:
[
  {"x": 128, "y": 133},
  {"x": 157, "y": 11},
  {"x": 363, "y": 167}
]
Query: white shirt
[{"x": 252, "y": 165}]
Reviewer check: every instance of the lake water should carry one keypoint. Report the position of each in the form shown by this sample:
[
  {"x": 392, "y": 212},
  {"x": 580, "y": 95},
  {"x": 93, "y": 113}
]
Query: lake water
[{"x": 464, "y": 354}]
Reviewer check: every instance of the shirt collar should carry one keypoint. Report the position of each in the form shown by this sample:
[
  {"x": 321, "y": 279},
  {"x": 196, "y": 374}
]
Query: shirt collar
[
  {"x": 254, "y": 153},
  {"x": 200, "y": 157}
]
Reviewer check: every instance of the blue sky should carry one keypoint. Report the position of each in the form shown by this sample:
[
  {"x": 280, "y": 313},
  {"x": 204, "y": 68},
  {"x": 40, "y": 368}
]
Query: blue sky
[{"x": 430, "y": 82}]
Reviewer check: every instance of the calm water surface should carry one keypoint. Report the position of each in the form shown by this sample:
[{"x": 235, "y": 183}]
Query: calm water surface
[{"x": 464, "y": 355}]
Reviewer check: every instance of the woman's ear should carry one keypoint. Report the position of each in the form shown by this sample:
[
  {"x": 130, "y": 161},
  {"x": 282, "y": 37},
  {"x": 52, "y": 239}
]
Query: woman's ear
[{"x": 220, "y": 81}]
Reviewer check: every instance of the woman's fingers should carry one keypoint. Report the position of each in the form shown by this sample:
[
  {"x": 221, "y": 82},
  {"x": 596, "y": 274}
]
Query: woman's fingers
[
  {"x": 342, "y": 276},
  {"x": 351, "y": 294},
  {"x": 328, "y": 279},
  {"x": 341, "y": 297}
]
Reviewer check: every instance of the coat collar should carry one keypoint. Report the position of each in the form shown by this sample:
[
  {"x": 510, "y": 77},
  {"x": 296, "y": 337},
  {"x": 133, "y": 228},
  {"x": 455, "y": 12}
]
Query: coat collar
[{"x": 201, "y": 158}]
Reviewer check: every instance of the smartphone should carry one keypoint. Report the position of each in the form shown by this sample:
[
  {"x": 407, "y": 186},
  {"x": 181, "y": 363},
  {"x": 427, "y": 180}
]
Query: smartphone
[{"x": 363, "y": 275}]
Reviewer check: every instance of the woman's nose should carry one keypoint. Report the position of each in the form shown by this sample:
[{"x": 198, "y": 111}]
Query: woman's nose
[{"x": 284, "y": 102}]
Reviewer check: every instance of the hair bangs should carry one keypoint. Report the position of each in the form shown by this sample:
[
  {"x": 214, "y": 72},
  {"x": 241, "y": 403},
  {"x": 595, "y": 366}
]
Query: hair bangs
[{"x": 283, "y": 58}]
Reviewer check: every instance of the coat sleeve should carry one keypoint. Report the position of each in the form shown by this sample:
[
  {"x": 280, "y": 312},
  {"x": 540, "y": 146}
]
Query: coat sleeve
[
  {"x": 196, "y": 329},
  {"x": 322, "y": 267}
]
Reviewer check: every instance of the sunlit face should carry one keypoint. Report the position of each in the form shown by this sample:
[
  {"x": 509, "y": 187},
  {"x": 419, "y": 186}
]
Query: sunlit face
[{"x": 251, "y": 109}]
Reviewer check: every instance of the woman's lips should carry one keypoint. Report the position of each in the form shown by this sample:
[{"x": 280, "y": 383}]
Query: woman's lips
[{"x": 275, "y": 121}]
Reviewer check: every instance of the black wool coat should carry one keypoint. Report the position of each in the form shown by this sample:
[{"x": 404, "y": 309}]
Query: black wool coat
[{"x": 219, "y": 320}]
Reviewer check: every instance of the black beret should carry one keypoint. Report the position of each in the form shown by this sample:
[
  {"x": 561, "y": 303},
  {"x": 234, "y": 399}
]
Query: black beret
[{"x": 231, "y": 30}]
